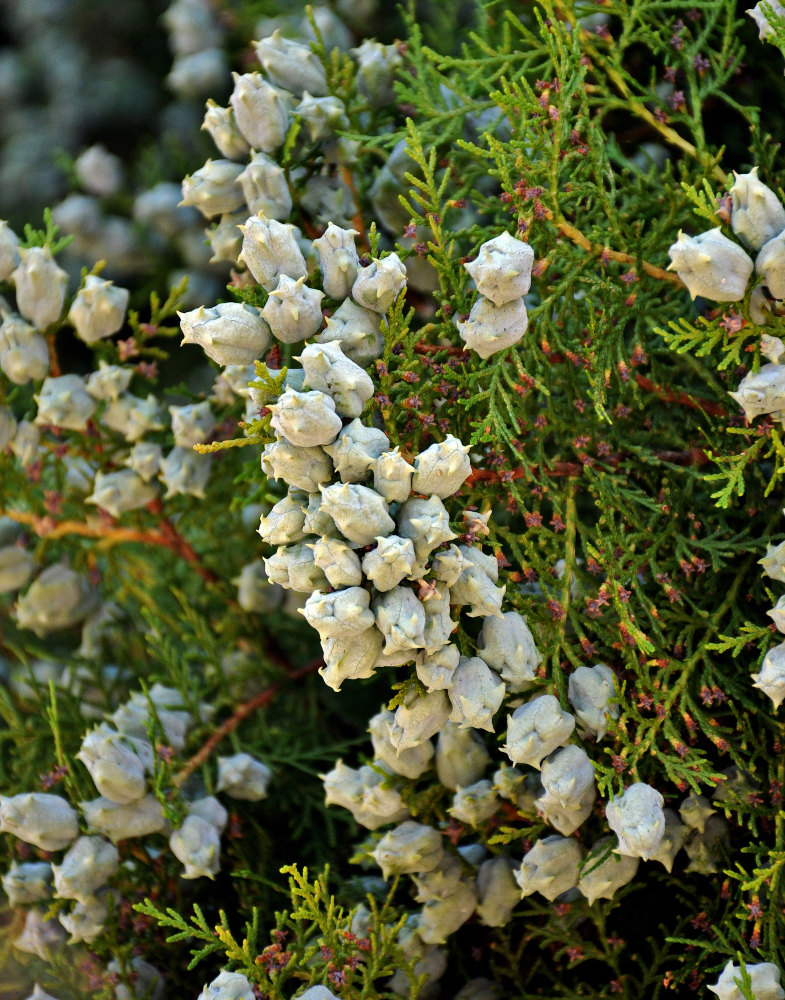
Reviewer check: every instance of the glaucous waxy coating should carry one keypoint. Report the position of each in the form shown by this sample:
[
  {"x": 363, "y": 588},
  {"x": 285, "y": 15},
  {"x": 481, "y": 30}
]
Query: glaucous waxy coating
[
  {"x": 475, "y": 588},
  {"x": 17, "y": 566},
  {"x": 567, "y": 775},
  {"x": 291, "y": 65},
  {"x": 764, "y": 30},
  {"x": 537, "y": 729},
  {"x": 601, "y": 881},
  {"x": 86, "y": 868},
  {"x": 260, "y": 114},
  {"x": 305, "y": 419},
  {"x": 757, "y": 213},
  {"x": 695, "y": 810},
  {"x": 270, "y": 249},
  {"x": 98, "y": 309},
  {"x": 442, "y": 469},
  {"x": 108, "y": 381},
  {"x": 57, "y": 599},
  {"x": 439, "y": 626},
  {"x": 40, "y": 936},
  {"x": 476, "y": 694},
  {"x": 409, "y": 848},
  {"x": 764, "y": 976},
  {"x": 440, "y": 918},
  {"x": 327, "y": 368},
  {"x": 708, "y": 850},
  {"x": 24, "y": 354},
  {"x": 225, "y": 238},
  {"x": 773, "y": 562},
  {"x": 265, "y": 188},
  {"x": 461, "y": 757},
  {"x": 411, "y": 763},
  {"x": 340, "y": 563},
  {"x": 377, "y": 286},
  {"x": 392, "y": 476},
  {"x": 637, "y": 819},
  {"x": 27, "y": 882},
  {"x": 132, "y": 416},
  {"x": 491, "y": 328},
  {"x": 340, "y": 613},
  {"x": 293, "y": 567},
  {"x": 426, "y": 523},
  {"x": 770, "y": 265},
  {"x": 777, "y": 614},
  {"x": 440, "y": 882},
  {"x": 551, "y": 867},
  {"x": 145, "y": 460},
  {"x": 360, "y": 514},
  {"x": 507, "y": 645},
  {"x": 762, "y": 392},
  {"x": 497, "y": 891},
  {"x": 231, "y": 333},
  {"x": 197, "y": 845},
  {"x": 355, "y": 450},
  {"x": 321, "y": 117},
  {"x": 317, "y": 992},
  {"x": 391, "y": 561},
  {"x": 435, "y": 670},
  {"x": 214, "y": 188},
  {"x": 254, "y": 591},
  {"x": 770, "y": 679},
  {"x": 117, "y": 492},
  {"x": 26, "y": 442},
  {"x": 352, "y": 658},
  {"x": 318, "y": 521},
  {"x": 40, "y": 286},
  {"x": 338, "y": 260},
  {"x": 474, "y": 804},
  {"x": 64, "y": 402},
  {"x": 46, "y": 821},
  {"x": 673, "y": 839},
  {"x": 502, "y": 270},
  {"x": 243, "y": 777},
  {"x": 362, "y": 792},
  {"x": 377, "y": 65},
  {"x": 357, "y": 330},
  {"x": 400, "y": 617},
  {"x": 185, "y": 471},
  {"x": 283, "y": 524},
  {"x": 304, "y": 468},
  {"x": 228, "y": 986},
  {"x": 448, "y": 564},
  {"x": 116, "y": 763},
  {"x": 120, "y": 822},
  {"x": 418, "y": 719},
  {"x": 210, "y": 809},
  {"x": 590, "y": 690},
  {"x": 293, "y": 310},
  {"x": 566, "y": 818},
  {"x": 711, "y": 265},
  {"x": 9, "y": 250},
  {"x": 221, "y": 124}
]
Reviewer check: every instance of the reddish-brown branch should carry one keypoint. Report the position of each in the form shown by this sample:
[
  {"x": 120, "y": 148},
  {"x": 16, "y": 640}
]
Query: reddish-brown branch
[
  {"x": 167, "y": 536},
  {"x": 682, "y": 398},
  {"x": 241, "y": 712}
]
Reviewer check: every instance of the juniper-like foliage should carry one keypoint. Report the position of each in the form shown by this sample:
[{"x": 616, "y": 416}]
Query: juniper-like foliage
[{"x": 625, "y": 497}]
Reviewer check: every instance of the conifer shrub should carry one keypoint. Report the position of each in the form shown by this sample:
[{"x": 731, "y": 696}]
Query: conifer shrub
[{"x": 404, "y": 623}]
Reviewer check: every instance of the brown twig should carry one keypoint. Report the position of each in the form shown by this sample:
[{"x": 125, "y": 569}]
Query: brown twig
[
  {"x": 167, "y": 536},
  {"x": 357, "y": 218},
  {"x": 241, "y": 712},
  {"x": 682, "y": 398}
]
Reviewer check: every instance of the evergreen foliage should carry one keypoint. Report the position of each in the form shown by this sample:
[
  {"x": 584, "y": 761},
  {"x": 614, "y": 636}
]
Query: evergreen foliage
[{"x": 624, "y": 497}]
